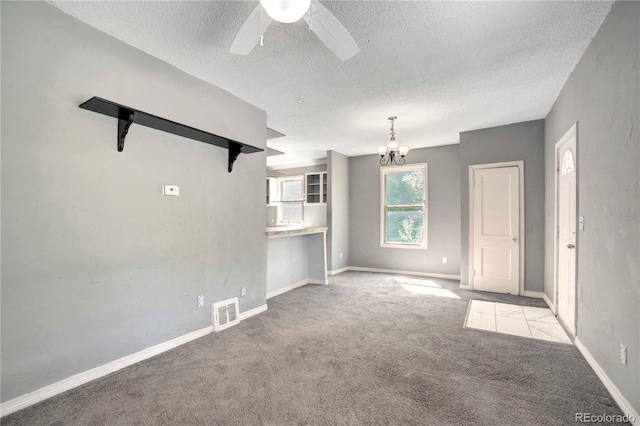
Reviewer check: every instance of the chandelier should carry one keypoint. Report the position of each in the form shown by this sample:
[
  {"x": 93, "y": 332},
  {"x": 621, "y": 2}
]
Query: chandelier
[{"x": 391, "y": 154}]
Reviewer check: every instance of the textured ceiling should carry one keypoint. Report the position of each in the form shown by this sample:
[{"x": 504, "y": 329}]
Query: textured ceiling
[{"x": 441, "y": 67}]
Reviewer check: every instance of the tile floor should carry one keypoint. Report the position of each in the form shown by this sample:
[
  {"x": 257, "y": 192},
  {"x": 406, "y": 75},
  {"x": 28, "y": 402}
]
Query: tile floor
[{"x": 525, "y": 321}]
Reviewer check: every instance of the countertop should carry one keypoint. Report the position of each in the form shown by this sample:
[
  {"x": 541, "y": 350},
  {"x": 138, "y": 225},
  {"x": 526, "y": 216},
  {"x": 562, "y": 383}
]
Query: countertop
[{"x": 273, "y": 231}]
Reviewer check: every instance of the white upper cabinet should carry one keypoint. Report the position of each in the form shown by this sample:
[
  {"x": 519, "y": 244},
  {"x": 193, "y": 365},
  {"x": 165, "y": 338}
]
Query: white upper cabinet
[{"x": 316, "y": 188}]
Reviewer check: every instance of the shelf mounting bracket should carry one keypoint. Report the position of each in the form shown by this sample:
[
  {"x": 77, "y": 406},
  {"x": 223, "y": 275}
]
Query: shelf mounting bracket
[
  {"x": 234, "y": 150},
  {"x": 125, "y": 120}
]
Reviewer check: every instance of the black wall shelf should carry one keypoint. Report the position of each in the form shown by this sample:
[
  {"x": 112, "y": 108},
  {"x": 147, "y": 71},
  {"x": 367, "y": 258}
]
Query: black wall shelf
[{"x": 127, "y": 116}]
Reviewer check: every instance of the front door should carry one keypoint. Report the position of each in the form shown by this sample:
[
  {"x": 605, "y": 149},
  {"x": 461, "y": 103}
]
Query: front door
[
  {"x": 496, "y": 230},
  {"x": 567, "y": 233}
]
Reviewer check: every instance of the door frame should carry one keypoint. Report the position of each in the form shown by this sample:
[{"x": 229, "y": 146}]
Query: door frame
[
  {"x": 572, "y": 132},
  {"x": 472, "y": 169}
]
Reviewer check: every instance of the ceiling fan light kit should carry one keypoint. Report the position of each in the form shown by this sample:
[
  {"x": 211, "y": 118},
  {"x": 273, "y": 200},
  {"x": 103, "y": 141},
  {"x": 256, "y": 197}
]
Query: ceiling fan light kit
[
  {"x": 286, "y": 11},
  {"x": 325, "y": 26},
  {"x": 391, "y": 154}
]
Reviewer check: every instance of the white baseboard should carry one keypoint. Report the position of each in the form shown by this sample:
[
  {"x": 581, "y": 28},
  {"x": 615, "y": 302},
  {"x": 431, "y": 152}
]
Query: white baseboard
[
  {"x": 76, "y": 380},
  {"x": 549, "y": 302},
  {"x": 622, "y": 402},
  {"x": 465, "y": 287},
  {"x": 338, "y": 271},
  {"x": 69, "y": 383},
  {"x": 397, "y": 271},
  {"x": 251, "y": 312},
  {"x": 293, "y": 286},
  {"x": 285, "y": 289}
]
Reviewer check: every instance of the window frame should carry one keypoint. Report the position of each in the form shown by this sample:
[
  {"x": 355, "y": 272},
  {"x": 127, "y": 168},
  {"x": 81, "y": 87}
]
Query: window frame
[
  {"x": 281, "y": 202},
  {"x": 424, "y": 167}
]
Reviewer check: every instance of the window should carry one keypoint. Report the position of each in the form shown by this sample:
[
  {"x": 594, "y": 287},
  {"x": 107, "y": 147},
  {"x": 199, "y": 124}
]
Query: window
[
  {"x": 403, "y": 206},
  {"x": 291, "y": 200},
  {"x": 567, "y": 163}
]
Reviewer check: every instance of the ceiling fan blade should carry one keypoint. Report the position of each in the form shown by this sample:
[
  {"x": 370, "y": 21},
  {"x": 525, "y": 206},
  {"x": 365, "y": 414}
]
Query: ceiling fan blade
[
  {"x": 249, "y": 35},
  {"x": 331, "y": 32}
]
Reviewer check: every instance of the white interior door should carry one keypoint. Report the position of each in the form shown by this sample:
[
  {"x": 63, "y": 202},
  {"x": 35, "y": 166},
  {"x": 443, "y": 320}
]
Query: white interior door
[
  {"x": 496, "y": 230},
  {"x": 567, "y": 234}
]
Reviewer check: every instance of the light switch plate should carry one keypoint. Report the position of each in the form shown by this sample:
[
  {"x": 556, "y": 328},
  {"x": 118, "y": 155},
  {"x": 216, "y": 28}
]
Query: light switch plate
[
  {"x": 171, "y": 190},
  {"x": 201, "y": 301},
  {"x": 581, "y": 223}
]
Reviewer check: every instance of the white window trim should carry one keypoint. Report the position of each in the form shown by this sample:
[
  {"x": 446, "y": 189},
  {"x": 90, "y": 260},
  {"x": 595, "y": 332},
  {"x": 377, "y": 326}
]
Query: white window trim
[
  {"x": 383, "y": 172},
  {"x": 281, "y": 202}
]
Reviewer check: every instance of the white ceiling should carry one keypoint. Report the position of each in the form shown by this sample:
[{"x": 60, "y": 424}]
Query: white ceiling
[{"x": 441, "y": 67}]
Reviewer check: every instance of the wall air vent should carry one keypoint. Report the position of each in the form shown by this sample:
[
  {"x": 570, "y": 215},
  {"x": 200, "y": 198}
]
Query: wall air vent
[{"x": 225, "y": 314}]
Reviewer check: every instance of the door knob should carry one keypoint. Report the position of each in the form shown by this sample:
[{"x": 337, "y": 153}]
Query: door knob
[
  {"x": 514, "y": 238},
  {"x": 570, "y": 246}
]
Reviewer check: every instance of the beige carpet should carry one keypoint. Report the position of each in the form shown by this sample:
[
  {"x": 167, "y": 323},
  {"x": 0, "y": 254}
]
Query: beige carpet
[{"x": 365, "y": 349}]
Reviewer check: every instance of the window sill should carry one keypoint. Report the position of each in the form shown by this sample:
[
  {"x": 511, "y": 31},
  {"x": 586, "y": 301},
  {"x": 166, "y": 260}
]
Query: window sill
[{"x": 404, "y": 246}]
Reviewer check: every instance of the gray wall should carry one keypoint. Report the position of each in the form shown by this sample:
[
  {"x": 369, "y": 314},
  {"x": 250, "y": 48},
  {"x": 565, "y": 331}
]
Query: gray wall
[
  {"x": 96, "y": 262},
  {"x": 338, "y": 206},
  {"x": 602, "y": 95},
  {"x": 444, "y": 214},
  {"x": 295, "y": 258},
  {"x": 515, "y": 142},
  {"x": 287, "y": 262}
]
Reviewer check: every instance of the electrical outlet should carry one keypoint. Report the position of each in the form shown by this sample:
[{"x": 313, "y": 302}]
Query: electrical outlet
[
  {"x": 243, "y": 291},
  {"x": 340, "y": 255},
  {"x": 623, "y": 354},
  {"x": 444, "y": 259},
  {"x": 201, "y": 301}
]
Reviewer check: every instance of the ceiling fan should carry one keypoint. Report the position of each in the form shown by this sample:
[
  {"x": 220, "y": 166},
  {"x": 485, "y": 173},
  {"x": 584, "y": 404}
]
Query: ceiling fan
[{"x": 322, "y": 22}]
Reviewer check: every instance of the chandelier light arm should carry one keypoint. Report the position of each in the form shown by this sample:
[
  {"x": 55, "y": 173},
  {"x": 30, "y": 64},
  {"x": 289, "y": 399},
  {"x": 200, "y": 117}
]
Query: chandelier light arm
[
  {"x": 386, "y": 158},
  {"x": 391, "y": 158}
]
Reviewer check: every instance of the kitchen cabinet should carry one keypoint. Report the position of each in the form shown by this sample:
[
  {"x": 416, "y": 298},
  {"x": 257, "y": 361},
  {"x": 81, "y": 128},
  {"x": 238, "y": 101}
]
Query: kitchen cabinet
[
  {"x": 272, "y": 191},
  {"x": 316, "y": 188}
]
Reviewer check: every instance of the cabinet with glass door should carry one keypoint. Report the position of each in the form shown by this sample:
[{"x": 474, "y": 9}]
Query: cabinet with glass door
[{"x": 316, "y": 188}]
